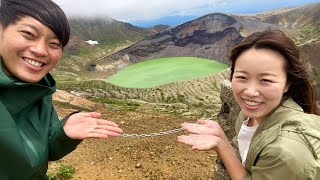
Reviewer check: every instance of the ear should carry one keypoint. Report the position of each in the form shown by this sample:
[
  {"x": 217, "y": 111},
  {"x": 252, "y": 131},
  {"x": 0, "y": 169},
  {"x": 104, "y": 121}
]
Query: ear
[{"x": 286, "y": 88}]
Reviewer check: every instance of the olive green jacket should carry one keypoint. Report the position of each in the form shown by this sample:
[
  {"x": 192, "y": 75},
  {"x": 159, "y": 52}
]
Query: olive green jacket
[
  {"x": 30, "y": 132},
  {"x": 285, "y": 146}
]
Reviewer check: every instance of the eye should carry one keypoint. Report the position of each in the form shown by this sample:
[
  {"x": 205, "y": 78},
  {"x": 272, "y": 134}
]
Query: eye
[
  {"x": 27, "y": 34},
  {"x": 267, "y": 80},
  {"x": 240, "y": 77},
  {"x": 55, "y": 45}
]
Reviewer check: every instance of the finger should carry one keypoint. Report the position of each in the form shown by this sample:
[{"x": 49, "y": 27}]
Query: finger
[
  {"x": 194, "y": 148},
  {"x": 193, "y": 128},
  {"x": 90, "y": 114},
  {"x": 193, "y": 136},
  {"x": 184, "y": 124},
  {"x": 105, "y": 122},
  {"x": 109, "y": 128},
  {"x": 188, "y": 125},
  {"x": 202, "y": 121},
  {"x": 98, "y": 135},
  {"x": 199, "y": 147},
  {"x": 101, "y": 133},
  {"x": 95, "y": 114},
  {"x": 184, "y": 140}
]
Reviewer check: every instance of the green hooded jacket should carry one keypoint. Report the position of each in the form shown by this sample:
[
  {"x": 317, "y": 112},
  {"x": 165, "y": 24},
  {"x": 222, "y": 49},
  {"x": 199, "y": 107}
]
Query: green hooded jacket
[
  {"x": 31, "y": 133},
  {"x": 285, "y": 146}
]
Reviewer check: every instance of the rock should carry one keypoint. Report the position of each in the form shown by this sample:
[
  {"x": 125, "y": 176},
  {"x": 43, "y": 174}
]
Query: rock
[{"x": 138, "y": 165}]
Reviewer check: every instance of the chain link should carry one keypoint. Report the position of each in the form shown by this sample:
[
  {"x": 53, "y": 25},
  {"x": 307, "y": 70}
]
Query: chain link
[
  {"x": 152, "y": 134},
  {"x": 161, "y": 133}
]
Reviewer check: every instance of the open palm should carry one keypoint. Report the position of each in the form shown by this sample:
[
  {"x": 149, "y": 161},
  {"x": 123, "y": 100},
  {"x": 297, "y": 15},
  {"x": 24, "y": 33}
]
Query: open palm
[
  {"x": 200, "y": 142},
  {"x": 89, "y": 125},
  {"x": 204, "y": 127}
]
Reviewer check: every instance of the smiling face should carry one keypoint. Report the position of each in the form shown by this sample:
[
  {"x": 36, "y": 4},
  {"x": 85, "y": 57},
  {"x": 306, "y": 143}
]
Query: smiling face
[
  {"x": 259, "y": 81},
  {"x": 29, "y": 49}
]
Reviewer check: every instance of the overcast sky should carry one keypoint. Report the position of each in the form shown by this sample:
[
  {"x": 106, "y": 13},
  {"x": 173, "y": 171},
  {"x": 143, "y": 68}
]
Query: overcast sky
[{"x": 139, "y": 10}]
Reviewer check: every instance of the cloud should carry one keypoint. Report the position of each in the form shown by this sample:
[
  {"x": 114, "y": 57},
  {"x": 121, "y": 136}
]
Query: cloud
[
  {"x": 127, "y": 10},
  {"x": 139, "y": 10}
]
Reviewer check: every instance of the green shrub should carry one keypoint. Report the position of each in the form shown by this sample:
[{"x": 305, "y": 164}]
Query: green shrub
[{"x": 64, "y": 172}]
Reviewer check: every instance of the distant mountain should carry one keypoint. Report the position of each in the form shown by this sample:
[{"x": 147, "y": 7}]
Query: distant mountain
[
  {"x": 158, "y": 28},
  {"x": 106, "y": 31},
  {"x": 211, "y": 36},
  {"x": 291, "y": 17},
  {"x": 206, "y": 37},
  {"x": 110, "y": 35},
  {"x": 168, "y": 20}
]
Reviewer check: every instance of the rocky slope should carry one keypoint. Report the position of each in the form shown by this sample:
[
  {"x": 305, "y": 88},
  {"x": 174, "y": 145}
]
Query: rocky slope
[{"x": 197, "y": 97}]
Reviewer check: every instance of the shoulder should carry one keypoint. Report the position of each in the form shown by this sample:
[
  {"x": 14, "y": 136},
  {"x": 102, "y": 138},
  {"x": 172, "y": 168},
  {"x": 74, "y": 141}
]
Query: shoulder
[
  {"x": 289, "y": 144},
  {"x": 291, "y": 114},
  {"x": 290, "y": 153}
]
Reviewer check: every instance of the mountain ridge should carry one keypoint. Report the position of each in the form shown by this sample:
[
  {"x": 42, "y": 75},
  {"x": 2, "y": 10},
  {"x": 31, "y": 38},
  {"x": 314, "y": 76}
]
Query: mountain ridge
[{"x": 212, "y": 35}]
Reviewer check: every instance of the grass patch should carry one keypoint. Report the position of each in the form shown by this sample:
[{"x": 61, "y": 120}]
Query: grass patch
[
  {"x": 161, "y": 71},
  {"x": 64, "y": 172}
]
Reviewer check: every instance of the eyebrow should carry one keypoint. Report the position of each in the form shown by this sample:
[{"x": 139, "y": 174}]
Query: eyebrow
[
  {"x": 261, "y": 74},
  {"x": 31, "y": 26},
  {"x": 36, "y": 29}
]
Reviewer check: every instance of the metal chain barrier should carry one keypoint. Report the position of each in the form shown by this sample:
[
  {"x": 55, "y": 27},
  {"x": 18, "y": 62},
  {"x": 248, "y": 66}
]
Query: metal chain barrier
[{"x": 161, "y": 133}]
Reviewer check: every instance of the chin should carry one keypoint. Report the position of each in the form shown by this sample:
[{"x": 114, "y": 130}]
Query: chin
[{"x": 30, "y": 80}]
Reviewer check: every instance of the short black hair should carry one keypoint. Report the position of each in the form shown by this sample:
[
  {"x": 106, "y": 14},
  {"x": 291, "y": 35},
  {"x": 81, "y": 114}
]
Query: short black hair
[{"x": 45, "y": 11}]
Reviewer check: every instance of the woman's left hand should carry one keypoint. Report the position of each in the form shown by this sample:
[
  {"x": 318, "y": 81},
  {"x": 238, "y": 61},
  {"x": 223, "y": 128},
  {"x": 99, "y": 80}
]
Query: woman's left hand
[
  {"x": 89, "y": 125},
  {"x": 206, "y": 135},
  {"x": 200, "y": 142},
  {"x": 205, "y": 127}
]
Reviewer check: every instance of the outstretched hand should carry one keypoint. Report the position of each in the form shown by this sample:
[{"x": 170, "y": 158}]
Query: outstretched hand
[
  {"x": 205, "y": 127},
  {"x": 89, "y": 125},
  {"x": 199, "y": 142},
  {"x": 205, "y": 135}
]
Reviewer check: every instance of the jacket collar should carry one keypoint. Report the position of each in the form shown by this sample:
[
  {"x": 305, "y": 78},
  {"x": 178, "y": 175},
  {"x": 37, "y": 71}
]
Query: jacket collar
[
  {"x": 278, "y": 116},
  {"x": 270, "y": 129},
  {"x": 16, "y": 95}
]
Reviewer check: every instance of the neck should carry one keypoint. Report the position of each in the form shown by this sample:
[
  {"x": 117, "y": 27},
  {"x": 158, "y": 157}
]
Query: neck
[{"x": 253, "y": 122}]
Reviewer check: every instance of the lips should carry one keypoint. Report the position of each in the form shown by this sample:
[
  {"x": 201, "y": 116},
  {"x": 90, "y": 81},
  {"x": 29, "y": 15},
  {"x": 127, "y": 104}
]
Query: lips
[
  {"x": 33, "y": 62},
  {"x": 252, "y": 103}
]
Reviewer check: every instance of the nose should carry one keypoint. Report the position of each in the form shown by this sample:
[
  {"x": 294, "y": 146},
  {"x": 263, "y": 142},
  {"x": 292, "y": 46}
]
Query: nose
[
  {"x": 39, "y": 48},
  {"x": 252, "y": 90}
]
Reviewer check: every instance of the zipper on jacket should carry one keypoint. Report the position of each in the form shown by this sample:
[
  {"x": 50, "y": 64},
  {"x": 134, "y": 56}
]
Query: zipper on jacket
[{"x": 31, "y": 146}]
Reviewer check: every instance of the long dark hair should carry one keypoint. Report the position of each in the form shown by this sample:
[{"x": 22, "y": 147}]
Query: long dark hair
[
  {"x": 45, "y": 11},
  {"x": 301, "y": 89}
]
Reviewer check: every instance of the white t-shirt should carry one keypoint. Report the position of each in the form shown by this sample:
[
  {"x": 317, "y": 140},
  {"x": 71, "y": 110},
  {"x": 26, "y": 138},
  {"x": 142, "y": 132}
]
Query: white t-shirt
[{"x": 244, "y": 139}]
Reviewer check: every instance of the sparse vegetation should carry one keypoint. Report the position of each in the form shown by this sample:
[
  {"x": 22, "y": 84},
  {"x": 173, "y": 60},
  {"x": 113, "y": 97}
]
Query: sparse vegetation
[
  {"x": 64, "y": 172},
  {"x": 70, "y": 106},
  {"x": 117, "y": 103}
]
